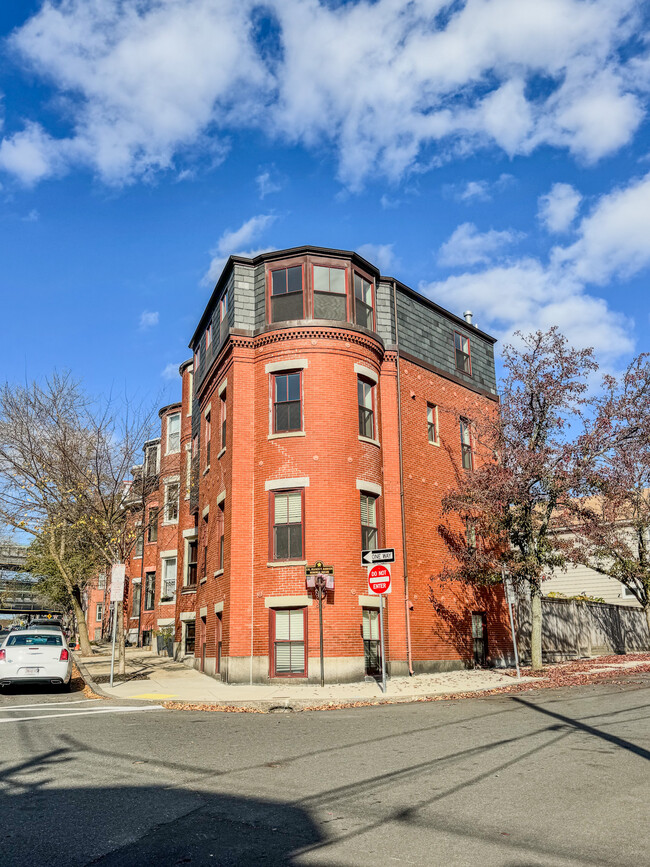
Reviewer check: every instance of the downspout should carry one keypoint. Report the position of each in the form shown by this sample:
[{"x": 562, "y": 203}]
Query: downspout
[
  {"x": 144, "y": 462},
  {"x": 407, "y": 616}
]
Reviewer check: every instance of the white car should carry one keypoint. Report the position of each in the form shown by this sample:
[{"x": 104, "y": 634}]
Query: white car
[{"x": 30, "y": 656}]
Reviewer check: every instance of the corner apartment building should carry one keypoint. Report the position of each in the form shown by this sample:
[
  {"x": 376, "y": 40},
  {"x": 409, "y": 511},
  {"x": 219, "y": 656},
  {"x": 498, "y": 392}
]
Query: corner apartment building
[{"x": 326, "y": 409}]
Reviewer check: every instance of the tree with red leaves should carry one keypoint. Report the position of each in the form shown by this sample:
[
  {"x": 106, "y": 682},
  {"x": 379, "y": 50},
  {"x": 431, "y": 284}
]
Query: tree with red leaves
[
  {"x": 527, "y": 467},
  {"x": 610, "y": 523}
]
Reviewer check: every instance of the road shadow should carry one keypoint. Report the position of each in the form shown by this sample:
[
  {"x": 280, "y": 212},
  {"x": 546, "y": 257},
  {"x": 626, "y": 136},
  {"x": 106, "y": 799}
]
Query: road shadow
[{"x": 131, "y": 826}]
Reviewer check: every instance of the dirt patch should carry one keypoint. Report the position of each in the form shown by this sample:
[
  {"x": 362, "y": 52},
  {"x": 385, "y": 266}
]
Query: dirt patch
[{"x": 121, "y": 678}]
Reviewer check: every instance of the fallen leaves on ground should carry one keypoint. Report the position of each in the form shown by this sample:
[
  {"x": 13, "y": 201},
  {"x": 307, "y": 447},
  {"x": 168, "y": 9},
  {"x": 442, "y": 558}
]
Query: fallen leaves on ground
[{"x": 575, "y": 673}]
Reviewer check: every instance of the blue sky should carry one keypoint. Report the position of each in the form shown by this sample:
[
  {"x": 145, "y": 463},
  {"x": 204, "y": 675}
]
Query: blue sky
[{"x": 493, "y": 154}]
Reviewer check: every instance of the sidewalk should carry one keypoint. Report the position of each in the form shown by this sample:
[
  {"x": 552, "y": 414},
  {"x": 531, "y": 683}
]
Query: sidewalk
[{"x": 158, "y": 678}]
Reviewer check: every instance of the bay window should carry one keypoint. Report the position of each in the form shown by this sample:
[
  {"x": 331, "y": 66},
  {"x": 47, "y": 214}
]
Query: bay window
[
  {"x": 287, "y": 415},
  {"x": 289, "y": 633},
  {"x": 365, "y": 397},
  {"x": 287, "y": 294},
  {"x": 363, "y": 313},
  {"x": 287, "y": 529},
  {"x": 330, "y": 299}
]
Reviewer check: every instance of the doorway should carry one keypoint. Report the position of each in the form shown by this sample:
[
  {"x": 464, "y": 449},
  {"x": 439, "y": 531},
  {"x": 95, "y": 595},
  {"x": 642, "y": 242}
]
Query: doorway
[
  {"x": 479, "y": 637},
  {"x": 371, "y": 643}
]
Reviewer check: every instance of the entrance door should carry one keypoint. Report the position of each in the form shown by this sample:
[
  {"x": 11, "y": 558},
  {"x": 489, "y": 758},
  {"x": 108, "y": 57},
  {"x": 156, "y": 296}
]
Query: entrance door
[
  {"x": 371, "y": 643},
  {"x": 202, "y": 631},
  {"x": 219, "y": 631},
  {"x": 479, "y": 637}
]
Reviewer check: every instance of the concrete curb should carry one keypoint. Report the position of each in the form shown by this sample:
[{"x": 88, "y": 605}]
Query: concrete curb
[
  {"x": 313, "y": 704},
  {"x": 87, "y": 677}
]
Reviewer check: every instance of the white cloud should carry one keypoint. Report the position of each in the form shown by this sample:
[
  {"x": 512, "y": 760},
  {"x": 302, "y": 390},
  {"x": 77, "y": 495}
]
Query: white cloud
[
  {"x": 148, "y": 319},
  {"x": 381, "y": 255},
  {"x": 558, "y": 208},
  {"x": 468, "y": 246},
  {"x": 388, "y": 204},
  {"x": 32, "y": 217},
  {"x": 145, "y": 85},
  {"x": 478, "y": 191},
  {"x": 527, "y": 294},
  {"x": 170, "y": 371},
  {"x": 232, "y": 242},
  {"x": 613, "y": 239},
  {"x": 267, "y": 183}
]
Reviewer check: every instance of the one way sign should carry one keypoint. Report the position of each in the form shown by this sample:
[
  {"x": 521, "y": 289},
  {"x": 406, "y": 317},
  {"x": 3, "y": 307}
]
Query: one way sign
[{"x": 378, "y": 555}]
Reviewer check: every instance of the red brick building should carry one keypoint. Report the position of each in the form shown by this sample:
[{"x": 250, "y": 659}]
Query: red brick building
[{"x": 326, "y": 410}]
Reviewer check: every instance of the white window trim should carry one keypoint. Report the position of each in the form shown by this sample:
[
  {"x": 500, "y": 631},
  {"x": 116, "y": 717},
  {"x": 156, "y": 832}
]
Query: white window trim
[
  {"x": 167, "y": 450},
  {"x": 135, "y": 546},
  {"x": 278, "y": 564},
  {"x": 222, "y": 387},
  {"x": 287, "y": 364},
  {"x": 366, "y": 373},
  {"x": 280, "y": 484},
  {"x": 166, "y": 621},
  {"x": 206, "y": 511},
  {"x": 187, "y": 616},
  {"x": 286, "y": 435},
  {"x": 218, "y": 607},
  {"x": 168, "y": 481},
  {"x": 203, "y": 612},
  {"x": 370, "y": 440},
  {"x": 190, "y": 389},
  {"x": 221, "y": 498},
  {"x": 369, "y": 601},
  {"x": 167, "y": 556},
  {"x": 436, "y": 441},
  {"x": 369, "y": 487}
]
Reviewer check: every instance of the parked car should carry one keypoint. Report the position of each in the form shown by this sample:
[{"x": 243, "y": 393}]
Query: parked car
[
  {"x": 45, "y": 623},
  {"x": 35, "y": 656}
]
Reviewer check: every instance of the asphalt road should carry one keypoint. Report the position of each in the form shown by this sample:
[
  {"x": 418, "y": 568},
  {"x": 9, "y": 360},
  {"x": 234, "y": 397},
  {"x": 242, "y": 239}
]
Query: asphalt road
[{"x": 541, "y": 778}]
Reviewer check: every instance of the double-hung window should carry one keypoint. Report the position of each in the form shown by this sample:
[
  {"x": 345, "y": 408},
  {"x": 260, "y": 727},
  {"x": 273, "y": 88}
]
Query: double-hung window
[
  {"x": 151, "y": 461},
  {"x": 197, "y": 357},
  {"x": 368, "y": 522},
  {"x": 287, "y": 294},
  {"x": 466, "y": 444},
  {"x": 139, "y": 540},
  {"x": 463, "y": 358},
  {"x": 152, "y": 525},
  {"x": 168, "y": 583},
  {"x": 208, "y": 437},
  {"x": 221, "y": 523},
  {"x": 330, "y": 299},
  {"x": 135, "y": 604},
  {"x": 287, "y": 525},
  {"x": 190, "y": 636},
  {"x": 470, "y": 536},
  {"x": 99, "y": 612},
  {"x": 289, "y": 658},
  {"x": 222, "y": 407},
  {"x": 363, "y": 313},
  {"x": 208, "y": 337},
  {"x": 149, "y": 590},
  {"x": 366, "y": 400},
  {"x": 192, "y": 562},
  {"x": 172, "y": 492},
  {"x": 174, "y": 433},
  {"x": 432, "y": 423},
  {"x": 287, "y": 415}
]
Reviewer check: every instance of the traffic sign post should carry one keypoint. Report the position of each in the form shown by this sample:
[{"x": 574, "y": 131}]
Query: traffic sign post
[
  {"x": 117, "y": 595},
  {"x": 379, "y": 585},
  {"x": 321, "y": 579}
]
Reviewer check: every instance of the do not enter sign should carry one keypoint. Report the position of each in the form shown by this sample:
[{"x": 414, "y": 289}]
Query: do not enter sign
[{"x": 379, "y": 579}]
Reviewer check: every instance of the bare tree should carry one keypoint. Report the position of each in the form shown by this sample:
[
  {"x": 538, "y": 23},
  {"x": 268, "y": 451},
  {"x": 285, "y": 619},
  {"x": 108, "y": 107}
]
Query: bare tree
[{"x": 65, "y": 467}]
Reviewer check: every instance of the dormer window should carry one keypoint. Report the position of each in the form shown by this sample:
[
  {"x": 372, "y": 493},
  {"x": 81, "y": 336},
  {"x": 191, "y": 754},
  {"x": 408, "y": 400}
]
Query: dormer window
[{"x": 287, "y": 294}]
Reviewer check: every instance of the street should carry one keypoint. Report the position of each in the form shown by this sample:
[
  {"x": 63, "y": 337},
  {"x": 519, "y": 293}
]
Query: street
[{"x": 551, "y": 777}]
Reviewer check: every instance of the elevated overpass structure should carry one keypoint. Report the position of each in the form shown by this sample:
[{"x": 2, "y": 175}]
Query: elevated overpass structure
[{"x": 18, "y": 595}]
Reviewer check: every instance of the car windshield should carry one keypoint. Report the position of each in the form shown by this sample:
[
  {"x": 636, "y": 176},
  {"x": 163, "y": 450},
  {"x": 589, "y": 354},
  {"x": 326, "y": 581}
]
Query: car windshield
[{"x": 33, "y": 640}]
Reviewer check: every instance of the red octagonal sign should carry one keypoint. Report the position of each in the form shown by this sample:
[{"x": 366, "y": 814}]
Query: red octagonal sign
[{"x": 379, "y": 579}]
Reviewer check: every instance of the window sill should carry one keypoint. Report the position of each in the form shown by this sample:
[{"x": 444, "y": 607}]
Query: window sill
[
  {"x": 218, "y": 572},
  {"x": 434, "y": 443},
  {"x": 206, "y": 470},
  {"x": 370, "y": 441},
  {"x": 167, "y": 601},
  {"x": 203, "y": 580},
  {"x": 284, "y": 435},
  {"x": 221, "y": 453},
  {"x": 189, "y": 588},
  {"x": 137, "y": 556},
  {"x": 170, "y": 523},
  {"x": 274, "y": 564}
]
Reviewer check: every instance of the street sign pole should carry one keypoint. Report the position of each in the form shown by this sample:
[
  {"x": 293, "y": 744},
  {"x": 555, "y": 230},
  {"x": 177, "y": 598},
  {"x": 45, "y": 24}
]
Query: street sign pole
[
  {"x": 381, "y": 634},
  {"x": 114, "y": 635},
  {"x": 320, "y": 589}
]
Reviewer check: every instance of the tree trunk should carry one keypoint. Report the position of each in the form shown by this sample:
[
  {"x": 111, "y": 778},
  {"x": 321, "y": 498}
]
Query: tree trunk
[
  {"x": 536, "y": 626},
  {"x": 82, "y": 628},
  {"x": 647, "y": 616},
  {"x": 121, "y": 654}
]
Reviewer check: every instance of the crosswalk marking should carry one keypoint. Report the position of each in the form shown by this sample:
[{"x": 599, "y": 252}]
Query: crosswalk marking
[
  {"x": 84, "y": 713},
  {"x": 44, "y": 704}
]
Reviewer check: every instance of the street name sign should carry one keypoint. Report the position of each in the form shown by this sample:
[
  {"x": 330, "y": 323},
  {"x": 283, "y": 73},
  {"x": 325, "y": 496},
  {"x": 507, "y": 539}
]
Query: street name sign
[
  {"x": 117, "y": 582},
  {"x": 377, "y": 555},
  {"x": 379, "y": 579}
]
